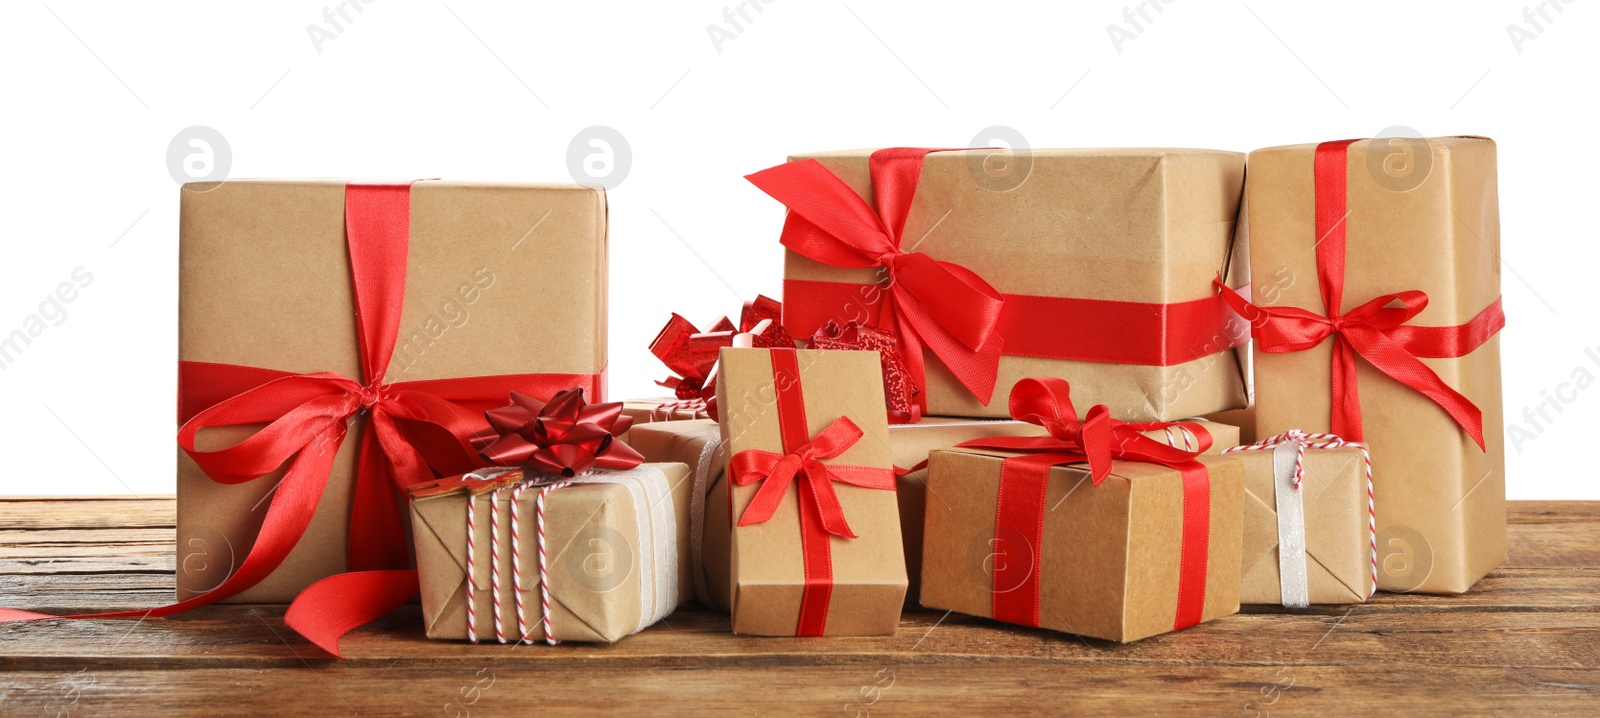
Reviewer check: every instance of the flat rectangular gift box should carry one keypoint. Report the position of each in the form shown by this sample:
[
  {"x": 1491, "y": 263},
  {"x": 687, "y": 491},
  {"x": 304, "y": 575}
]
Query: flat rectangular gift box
[
  {"x": 1110, "y": 563},
  {"x": 1138, "y": 234},
  {"x": 500, "y": 279},
  {"x": 1417, "y": 214},
  {"x": 616, "y": 547}
]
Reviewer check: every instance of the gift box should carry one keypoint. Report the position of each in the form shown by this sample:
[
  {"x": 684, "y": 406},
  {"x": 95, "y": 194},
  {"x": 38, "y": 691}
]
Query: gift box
[
  {"x": 1143, "y": 539},
  {"x": 815, "y": 549},
  {"x": 461, "y": 293},
  {"x": 645, "y": 411},
  {"x": 1308, "y": 535},
  {"x": 697, "y": 444},
  {"x": 1393, "y": 244},
  {"x": 1092, "y": 265},
  {"x": 515, "y": 556}
]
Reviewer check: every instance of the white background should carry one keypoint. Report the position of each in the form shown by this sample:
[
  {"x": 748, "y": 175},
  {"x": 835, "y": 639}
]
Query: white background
[{"x": 95, "y": 92}]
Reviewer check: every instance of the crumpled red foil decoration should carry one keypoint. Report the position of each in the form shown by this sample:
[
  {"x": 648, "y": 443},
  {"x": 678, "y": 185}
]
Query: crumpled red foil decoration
[
  {"x": 566, "y": 436},
  {"x": 899, "y": 391},
  {"x": 692, "y": 354}
]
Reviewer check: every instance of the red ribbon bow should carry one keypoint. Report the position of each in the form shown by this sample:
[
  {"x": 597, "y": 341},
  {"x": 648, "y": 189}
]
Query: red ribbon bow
[
  {"x": 565, "y": 436},
  {"x": 776, "y": 472},
  {"x": 821, "y": 514},
  {"x": 1097, "y": 439},
  {"x": 941, "y": 305},
  {"x": 692, "y": 354},
  {"x": 1375, "y": 330}
]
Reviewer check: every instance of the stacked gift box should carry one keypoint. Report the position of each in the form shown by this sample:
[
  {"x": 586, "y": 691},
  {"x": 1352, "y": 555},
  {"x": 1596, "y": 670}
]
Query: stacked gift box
[{"x": 1061, "y": 403}]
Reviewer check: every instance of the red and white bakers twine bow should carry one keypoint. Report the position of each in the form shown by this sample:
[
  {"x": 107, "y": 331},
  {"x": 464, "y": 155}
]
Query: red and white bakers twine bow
[{"x": 1304, "y": 440}]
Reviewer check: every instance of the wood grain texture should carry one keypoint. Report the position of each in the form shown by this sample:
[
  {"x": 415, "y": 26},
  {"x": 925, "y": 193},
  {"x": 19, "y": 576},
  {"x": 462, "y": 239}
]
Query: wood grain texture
[{"x": 1525, "y": 640}]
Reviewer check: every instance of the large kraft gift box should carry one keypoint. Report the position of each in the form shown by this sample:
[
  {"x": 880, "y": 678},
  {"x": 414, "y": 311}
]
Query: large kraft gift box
[
  {"x": 1103, "y": 260},
  {"x": 1311, "y": 544},
  {"x": 1112, "y": 555},
  {"x": 815, "y": 549},
  {"x": 1389, "y": 216},
  {"x": 616, "y": 544},
  {"x": 500, "y": 279}
]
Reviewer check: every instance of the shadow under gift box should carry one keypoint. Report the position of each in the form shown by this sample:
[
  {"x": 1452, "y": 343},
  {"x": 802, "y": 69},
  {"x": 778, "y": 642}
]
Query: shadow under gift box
[
  {"x": 501, "y": 279},
  {"x": 1110, "y": 560},
  {"x": 593, "y": 547},
  {"x": 1440, "y": 499},
  {"x": 1152, "y": 226}
]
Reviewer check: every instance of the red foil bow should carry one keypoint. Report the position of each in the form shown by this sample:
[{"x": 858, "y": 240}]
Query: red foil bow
[
  {"x": 1376, "y": 331},
  {"x": 899, "y": 390},
  {"x": 802, "y": 462},
  {"x": 566, "y": 436},
  {"x": 929, "y": 303},
  {"x": 1097, "y": 440},
  {"x": 692, "y": 354}
]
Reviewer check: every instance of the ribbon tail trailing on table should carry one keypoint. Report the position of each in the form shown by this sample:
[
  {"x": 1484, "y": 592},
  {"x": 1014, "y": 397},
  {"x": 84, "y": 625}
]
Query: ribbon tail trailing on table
[
  {"x": 1095, "y": 440},
  {"x": 802, "y": 462},
  {"x": 1376, "y": 330},
  {"x": 418, "y": 430}
]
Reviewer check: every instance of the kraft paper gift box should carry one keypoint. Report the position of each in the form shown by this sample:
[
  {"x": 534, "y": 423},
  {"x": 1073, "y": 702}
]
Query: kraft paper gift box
[
  {"x": 1399, "y": 215},
  {"x": 645, "y": 411},
  {"x": 815, "y": 549},
  {"x": 697, "y": 443},
  {"x": 1095, "y": 265},
  {"x": 1306, "y": 545},
  {"x": 498, "y": 279},
  {"x": 616, "y": 546},
  {"x": 1110, "y": 562}
]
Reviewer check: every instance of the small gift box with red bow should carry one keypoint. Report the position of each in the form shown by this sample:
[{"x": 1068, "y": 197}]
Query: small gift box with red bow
[
  {"x": 1094, "y": 528},
  {"x": 989, "y": 265},
  {"x": 566, "y": 536},
  {"x": 1386, "y": 333},
  {"x": 815, "y": 543}
]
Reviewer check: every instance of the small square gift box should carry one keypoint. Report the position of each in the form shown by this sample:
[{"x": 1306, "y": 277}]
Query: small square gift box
[
  {"x": 815, "y": 549},
  {"x": 1309, "y": 535},
  {"x": 568, "y": 537},
  {"x": 1095, "y": 528}
]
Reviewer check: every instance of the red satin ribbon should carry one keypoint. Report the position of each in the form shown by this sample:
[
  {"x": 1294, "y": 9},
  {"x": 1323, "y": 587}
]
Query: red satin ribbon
[
  {"x": 821, "y": 514},
  {"x": 1375, "y": 330},
  {"x": 1097, "y": 440},
  {"x": 947, "y": 308},
  {"x": 415, "y": 428}
]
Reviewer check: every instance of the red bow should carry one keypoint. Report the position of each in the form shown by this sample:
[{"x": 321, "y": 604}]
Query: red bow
[
  {"x": 775, "y": 473},
  {"x": 692, "y": 354},
  {"x": 566, "y": 436},
  {"x": 1374, "y": 330},
  {"x": 941, "y": 305},
  {"x": 899, "y": 391},
  {"x": 1098, "y": 439}
]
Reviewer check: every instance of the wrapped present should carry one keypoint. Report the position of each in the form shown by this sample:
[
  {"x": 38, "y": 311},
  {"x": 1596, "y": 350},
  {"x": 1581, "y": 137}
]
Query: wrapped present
[
  {"x": 698, "y": 445},
  {"x": 644, "y": 411},
  {"x": 1309, "y": 534},
  {"x": 816, "y": 546},
  {"x": 460, "y": 293},
  {"x": 1389, "y": 335},
  {"x": 1094, "y": 528},
  {"x": 606, "y": 539},
  {"x": 1095, "y": 266}
]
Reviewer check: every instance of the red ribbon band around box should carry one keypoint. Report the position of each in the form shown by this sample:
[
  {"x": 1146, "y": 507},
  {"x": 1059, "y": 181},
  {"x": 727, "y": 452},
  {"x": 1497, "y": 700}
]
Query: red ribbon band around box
[
  {"x": 947, "y": 308},
  {"x": 418, "y": 430},
  {"x": 821, "y": 514},
  {"x": 1374, "y": 330},
  {"x": 1097, "y": 440}
]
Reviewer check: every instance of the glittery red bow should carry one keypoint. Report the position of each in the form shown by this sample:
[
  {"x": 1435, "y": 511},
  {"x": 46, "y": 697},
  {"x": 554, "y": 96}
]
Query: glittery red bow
[
  {"x": 692, "y": 354},
  {"x": 899, "y": 390},
  {"x": 565, "y": 436}
]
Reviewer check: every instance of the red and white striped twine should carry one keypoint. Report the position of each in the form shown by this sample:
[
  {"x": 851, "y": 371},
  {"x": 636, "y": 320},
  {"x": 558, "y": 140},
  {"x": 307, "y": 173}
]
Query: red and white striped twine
[
  {"x": 1304, "y": 440},
  {"x": 524, "y": 635}
]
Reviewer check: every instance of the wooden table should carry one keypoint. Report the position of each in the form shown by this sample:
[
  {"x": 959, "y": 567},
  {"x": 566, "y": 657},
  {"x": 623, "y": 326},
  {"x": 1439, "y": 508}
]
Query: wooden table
[{"x": 1526, "y": 641}]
